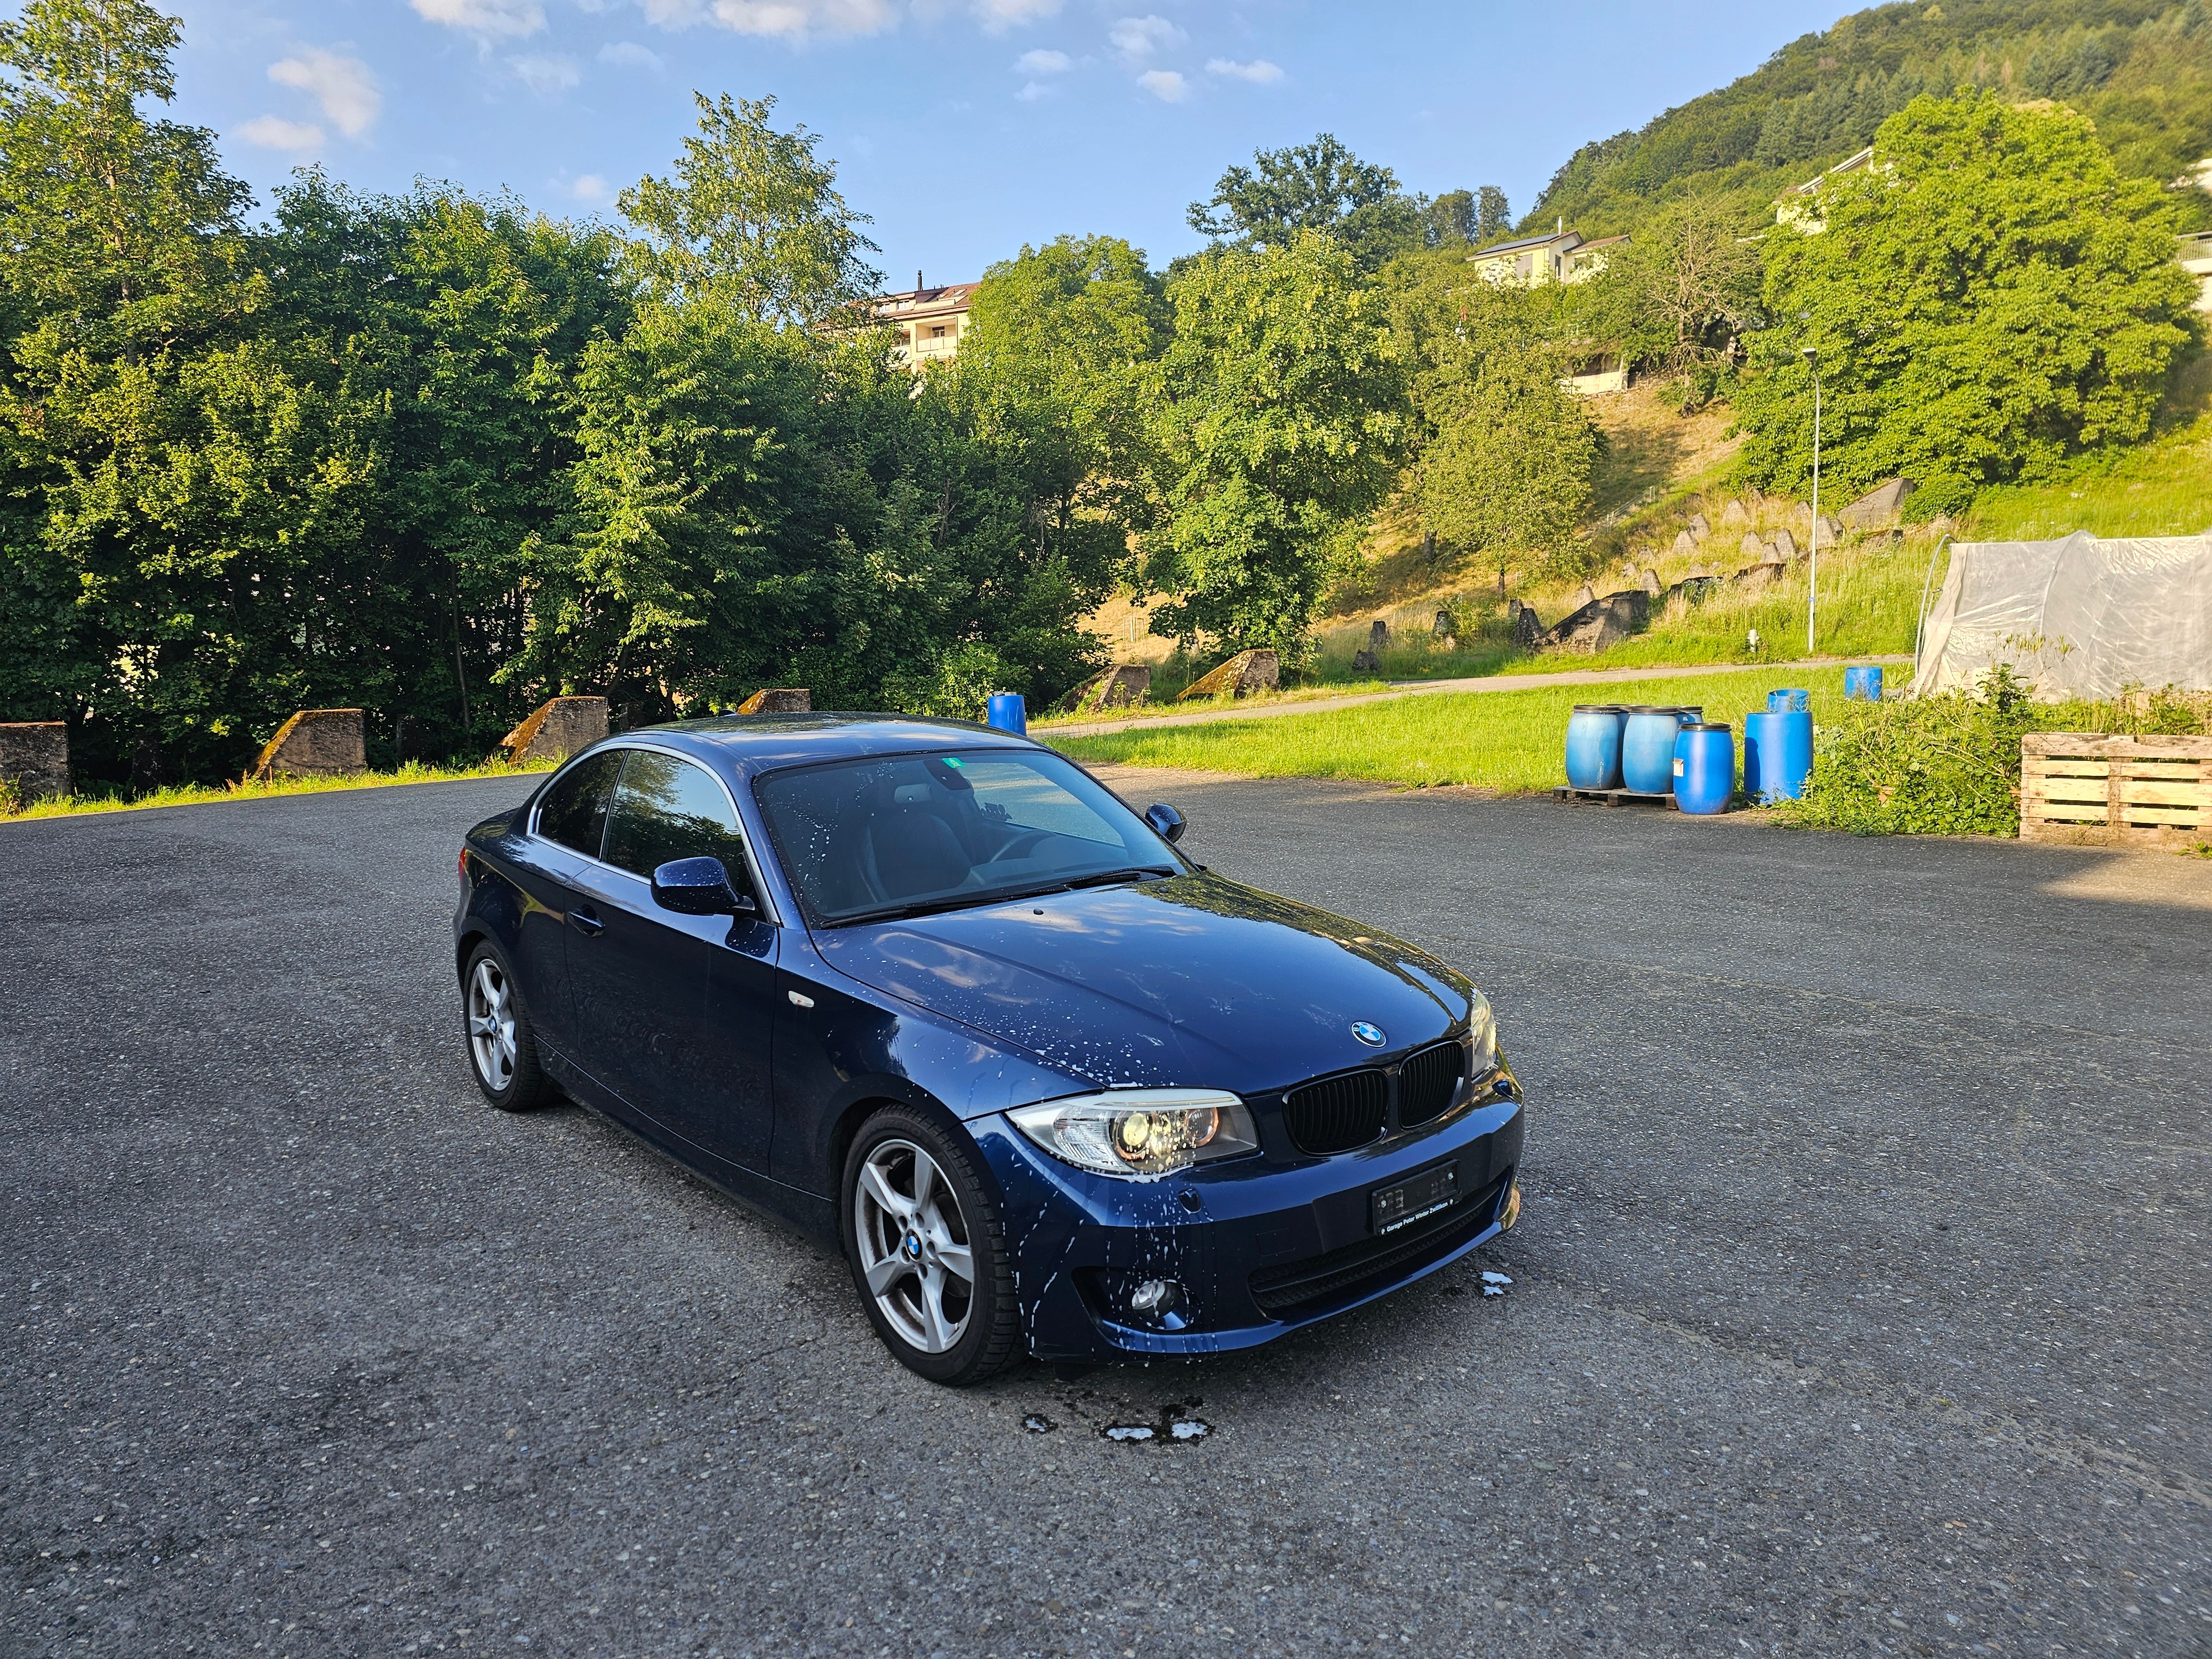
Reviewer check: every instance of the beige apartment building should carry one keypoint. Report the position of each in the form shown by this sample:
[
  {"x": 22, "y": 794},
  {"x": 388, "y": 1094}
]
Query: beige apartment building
[{"x": 930, "y": 320}]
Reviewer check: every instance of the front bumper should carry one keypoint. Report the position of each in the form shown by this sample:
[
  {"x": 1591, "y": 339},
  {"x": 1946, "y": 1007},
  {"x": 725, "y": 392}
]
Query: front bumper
[{"x": 1257, "y": 1247}]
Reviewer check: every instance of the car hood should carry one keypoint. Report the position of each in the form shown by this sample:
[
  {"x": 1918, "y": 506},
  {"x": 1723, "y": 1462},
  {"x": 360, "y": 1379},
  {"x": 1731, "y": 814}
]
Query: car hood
[{"x": 1194, "y": 981}]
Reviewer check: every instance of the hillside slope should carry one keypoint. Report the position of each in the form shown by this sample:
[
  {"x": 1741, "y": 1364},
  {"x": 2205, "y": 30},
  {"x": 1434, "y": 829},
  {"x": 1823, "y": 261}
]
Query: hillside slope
[{"x": 2141, "y": 69}]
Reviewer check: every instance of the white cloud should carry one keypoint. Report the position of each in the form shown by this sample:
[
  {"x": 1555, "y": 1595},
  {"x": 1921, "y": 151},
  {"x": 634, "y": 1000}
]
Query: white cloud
[
  {"x": 1043, "y": 63},
  {"x": 1140, "y": 37},
  {"x": 343, "y": 86},
  {"x": 1033, "y": 90},
  {"x": 272, "y": 132},
  {"x": 997, "y": 16},
  {"x": 1259, "y": 70},
  {"x": 488, "y": 20},
  {"x": 795, "y": 21},
  {"x": 1166, "y": 85},
  {"x": 628, "y": 54},
  {"x": 546, "y": 77},
  {"x": 591, "y": 190}
]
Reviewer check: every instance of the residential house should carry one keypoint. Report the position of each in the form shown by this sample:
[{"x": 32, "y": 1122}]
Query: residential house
[
  {"x": 930, "y": 320},
  {"x": 1535, "y": 261},
  {"x": 1794, "y": 207}
]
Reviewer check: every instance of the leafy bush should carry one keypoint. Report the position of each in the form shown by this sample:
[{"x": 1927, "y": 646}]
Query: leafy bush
[{"x": 1949, "y": 765}]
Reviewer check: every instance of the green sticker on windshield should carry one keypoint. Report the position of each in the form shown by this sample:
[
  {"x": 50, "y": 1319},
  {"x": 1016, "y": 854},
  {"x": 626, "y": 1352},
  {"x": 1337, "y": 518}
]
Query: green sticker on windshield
[{"x": 954, "y": 760}]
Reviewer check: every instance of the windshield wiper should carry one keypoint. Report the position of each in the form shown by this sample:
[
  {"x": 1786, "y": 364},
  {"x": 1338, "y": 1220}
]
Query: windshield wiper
[
  {"x": 997, "y": 895},
  {"x": 948, "y": 902},
  {"x": 1100, "y": 879}
]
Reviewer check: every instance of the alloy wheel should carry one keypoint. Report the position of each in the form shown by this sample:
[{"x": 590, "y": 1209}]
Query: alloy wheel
[
  {"x": 491, "y": 1025},
  {"x": 914, "y": 1246}
]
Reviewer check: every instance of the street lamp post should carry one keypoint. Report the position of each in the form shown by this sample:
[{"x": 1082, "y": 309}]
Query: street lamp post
[{"x": 1812, "y": 570}]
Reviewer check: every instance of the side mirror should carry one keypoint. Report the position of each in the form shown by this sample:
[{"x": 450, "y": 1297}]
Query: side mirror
[
  {"x": 1166, "y": 822},
  {"x": 698, "y": 887}
]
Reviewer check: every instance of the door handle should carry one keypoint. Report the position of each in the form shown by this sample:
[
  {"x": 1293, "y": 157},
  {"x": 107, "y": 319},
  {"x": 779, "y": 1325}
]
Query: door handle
[{"x": 585, "y": 921}]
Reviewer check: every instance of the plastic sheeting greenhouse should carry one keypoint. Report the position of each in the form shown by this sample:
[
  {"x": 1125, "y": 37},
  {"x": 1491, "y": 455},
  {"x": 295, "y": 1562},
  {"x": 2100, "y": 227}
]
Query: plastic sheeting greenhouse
[{"x": 2081, "y": 618}]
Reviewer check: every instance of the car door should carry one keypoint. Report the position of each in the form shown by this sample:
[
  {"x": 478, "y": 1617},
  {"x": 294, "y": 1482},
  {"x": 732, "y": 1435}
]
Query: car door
[
  {"x": 570, "y": 821},
  {"x": 675, "y": 1012}
]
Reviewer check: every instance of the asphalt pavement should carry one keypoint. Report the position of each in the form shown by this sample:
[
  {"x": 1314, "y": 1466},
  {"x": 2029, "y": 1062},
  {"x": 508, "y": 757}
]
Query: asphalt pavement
[{"x": 1859, "y": 1303}]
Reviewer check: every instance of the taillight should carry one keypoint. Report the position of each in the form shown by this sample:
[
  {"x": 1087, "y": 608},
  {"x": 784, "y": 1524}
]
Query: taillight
[{"x": 465, "y": 867}]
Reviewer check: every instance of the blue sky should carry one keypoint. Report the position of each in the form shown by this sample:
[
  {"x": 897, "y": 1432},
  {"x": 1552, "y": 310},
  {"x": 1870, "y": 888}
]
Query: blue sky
[{"x": 964, "y": 127}]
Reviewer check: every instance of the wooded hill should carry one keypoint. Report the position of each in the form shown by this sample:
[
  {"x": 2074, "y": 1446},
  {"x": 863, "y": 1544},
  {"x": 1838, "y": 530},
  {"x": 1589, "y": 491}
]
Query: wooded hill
[{"x": 2142, "y": 70}]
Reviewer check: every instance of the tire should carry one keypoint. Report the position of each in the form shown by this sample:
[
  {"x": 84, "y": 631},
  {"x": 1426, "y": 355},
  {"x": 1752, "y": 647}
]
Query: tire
[
  {"x": 928, "y": 1253},
  {"x": 495, "y": 1027}
]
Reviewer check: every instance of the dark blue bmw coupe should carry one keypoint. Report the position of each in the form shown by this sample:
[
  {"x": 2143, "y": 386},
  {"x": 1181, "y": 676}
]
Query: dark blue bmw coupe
[{"x": 933, "y": 991}]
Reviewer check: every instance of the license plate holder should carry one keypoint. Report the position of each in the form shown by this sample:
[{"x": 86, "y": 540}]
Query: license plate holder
[{"x": 1418, "y": 1196}]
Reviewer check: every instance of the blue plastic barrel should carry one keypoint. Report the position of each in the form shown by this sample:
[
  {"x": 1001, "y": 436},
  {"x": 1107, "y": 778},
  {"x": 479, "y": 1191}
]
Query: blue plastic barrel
[
  {"x": 1788, "y": 762},
  {"x": 1647, "y": 749},
  {"x": 1008, "y": 712},
  {"x": 1594, "y": 745},
  {"x": 1795, "y": 700},
  {"x": 1705, "y": 772},
  {"x": 1777, "y": 755},
  {"x": 1863, "y": 684},
  {"x": 1756, "y": 741}
]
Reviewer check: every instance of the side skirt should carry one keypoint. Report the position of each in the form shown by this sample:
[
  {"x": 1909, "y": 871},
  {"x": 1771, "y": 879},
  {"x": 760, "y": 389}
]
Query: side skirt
[{"x": 807, "y": 1212}]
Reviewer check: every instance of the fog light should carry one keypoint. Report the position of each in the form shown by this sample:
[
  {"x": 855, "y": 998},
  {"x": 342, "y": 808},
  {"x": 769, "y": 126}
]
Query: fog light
[
  {"x": 1512, "y": 1209},
  {"x": 1155, "y": 1296}
]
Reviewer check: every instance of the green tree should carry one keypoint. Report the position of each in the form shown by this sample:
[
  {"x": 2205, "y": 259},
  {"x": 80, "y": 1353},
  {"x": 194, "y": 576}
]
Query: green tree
[
  {"x": 1679, "y": 291},
  {"x": 1059, "y": 349},
  {"x": 459, "y": 325},
  {"x": 1450, "y": 220},
  {"x": 1277, "y": 426},
  {"x": 130, "y": 407},
  {"x": 1988, "y": 299},
  {"x": 1506, "y": 452},
  {"x": 754, "y": 213},
  {"x": 1492, "y": 218},
  {"x": 1320, "y": 187}
]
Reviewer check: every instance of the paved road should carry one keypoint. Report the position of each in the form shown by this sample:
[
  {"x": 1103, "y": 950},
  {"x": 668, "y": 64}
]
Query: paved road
[
  {"x": 1859, "y": 1305},
  {"x": 1432, "y": 687}
]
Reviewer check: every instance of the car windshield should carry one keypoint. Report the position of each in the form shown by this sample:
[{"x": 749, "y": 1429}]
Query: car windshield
[{"x": 902, "y": 835}]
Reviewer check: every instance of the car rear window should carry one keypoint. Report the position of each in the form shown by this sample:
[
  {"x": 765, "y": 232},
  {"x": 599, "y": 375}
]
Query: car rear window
[{"x": 574, "y": 809}]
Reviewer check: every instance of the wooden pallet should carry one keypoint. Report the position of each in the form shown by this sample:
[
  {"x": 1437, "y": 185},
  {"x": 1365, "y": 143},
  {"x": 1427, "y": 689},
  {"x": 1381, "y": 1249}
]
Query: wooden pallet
[
  {"x": 2090, "y": 789},
  {"x": 1613, "y": 797}
]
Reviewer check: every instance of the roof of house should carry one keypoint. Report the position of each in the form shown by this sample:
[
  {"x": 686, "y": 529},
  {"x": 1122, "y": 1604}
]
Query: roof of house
[
  {"x": 1849, "y": 164},
  {"x": 1526, "y": 243},
  {"x": 944, "y": 302}
]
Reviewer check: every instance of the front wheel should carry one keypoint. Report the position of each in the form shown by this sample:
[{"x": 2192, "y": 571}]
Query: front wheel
[
  {"x": 929, "y": 1251},
  {"x": 502, "y": 1046}
]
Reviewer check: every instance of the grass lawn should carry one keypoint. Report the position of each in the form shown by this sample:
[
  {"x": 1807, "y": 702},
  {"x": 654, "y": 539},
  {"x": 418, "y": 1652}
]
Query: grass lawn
[
  {"x": 1514, "y": 742},
  {"x": 190, "y": 795},
  {"x": 2162, "y": 488}
]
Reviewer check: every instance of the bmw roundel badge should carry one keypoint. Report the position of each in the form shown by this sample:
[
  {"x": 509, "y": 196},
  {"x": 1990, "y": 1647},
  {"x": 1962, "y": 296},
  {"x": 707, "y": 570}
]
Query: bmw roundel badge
[{"x": 1370, "y": 1035}]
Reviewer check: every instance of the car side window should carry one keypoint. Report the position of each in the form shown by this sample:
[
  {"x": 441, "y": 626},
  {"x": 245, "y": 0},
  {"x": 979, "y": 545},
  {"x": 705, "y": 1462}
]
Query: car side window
[
  {"x": 574, "y": 809},
  {"x": 665, "y": 808}
]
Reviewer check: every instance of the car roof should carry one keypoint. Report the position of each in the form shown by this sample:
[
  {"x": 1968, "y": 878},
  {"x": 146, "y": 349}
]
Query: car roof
[{"x": 753, "y": 744}]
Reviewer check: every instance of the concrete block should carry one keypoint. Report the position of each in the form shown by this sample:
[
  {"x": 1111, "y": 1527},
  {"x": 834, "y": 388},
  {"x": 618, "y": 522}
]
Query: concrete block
[
  {"x": 315, "y": 743},
  {"x": 788, "y": 700},
  {"x": 1242, "y": 675},
  {"x": 1879, "y": 506},
  {"x": 1118, "y": 687},
  {"x": 559, "y": 727},
  {"x": 34, "y": 760}
]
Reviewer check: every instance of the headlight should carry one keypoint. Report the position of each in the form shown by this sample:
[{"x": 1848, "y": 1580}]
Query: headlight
[
  {"x": 1481, "y": 1040},
  {"x": 1140, "y": 1132}
]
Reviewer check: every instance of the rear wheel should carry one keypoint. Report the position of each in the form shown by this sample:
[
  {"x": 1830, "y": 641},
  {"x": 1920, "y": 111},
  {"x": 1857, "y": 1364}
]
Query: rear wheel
[
  {"x": 502, "y": 1046},
  {"x": 929, "y": 1251}
]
